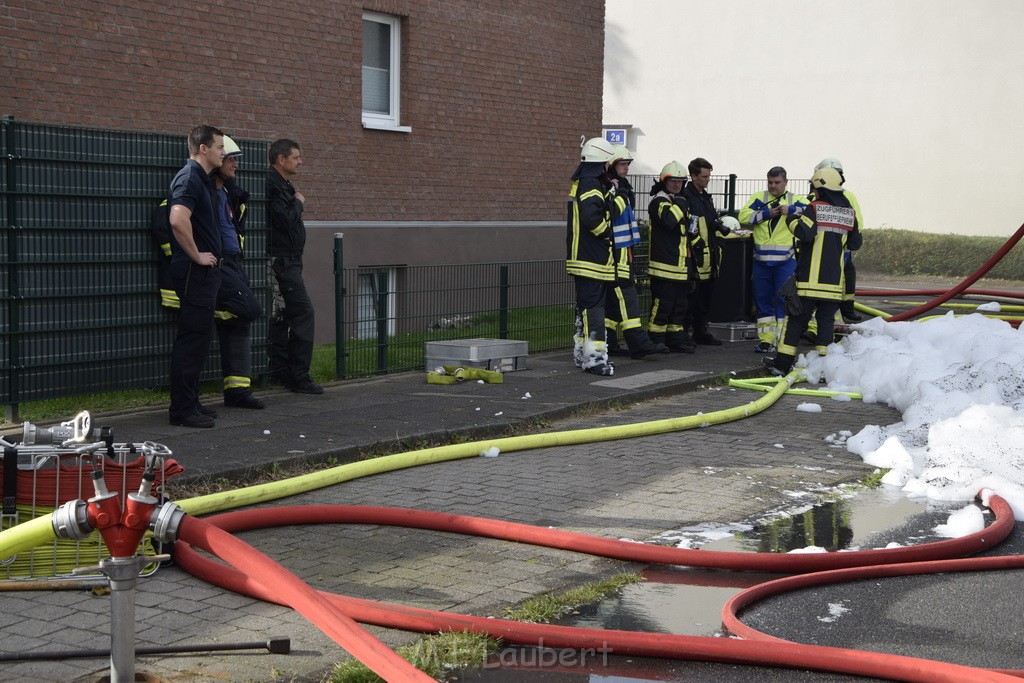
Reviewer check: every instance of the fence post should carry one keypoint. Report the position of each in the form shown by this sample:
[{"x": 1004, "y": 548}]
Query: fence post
[
  {"x": 382, "y": 321},
  {"x": 339, "y": 305},
  {"x": 13, "y": 292},
  {"x": 503, "y": 303},
  {"x": 731, "y": 195}
]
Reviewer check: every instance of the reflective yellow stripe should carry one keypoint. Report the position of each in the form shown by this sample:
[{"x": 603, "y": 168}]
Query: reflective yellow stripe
[
  {"x": 236, "y": 382},
  {"x": 169, "y": 299},
  {"x": 224, "y": 315},
  {"x": 166, "y": 248}
]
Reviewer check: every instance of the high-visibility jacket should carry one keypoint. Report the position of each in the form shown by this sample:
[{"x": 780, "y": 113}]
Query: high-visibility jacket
[
  {"x": 827, "y": 227},
  {"x": 773, "y": 241},
  {"x": 671, "y": 248},
  {"x": 591, "y": 207}
]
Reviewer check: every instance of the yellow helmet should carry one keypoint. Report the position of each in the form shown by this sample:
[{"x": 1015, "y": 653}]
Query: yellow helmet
[
  {"x": 231, "y": 148},
  {"x": 828, "y": 178},
  {"x": 622, "y": 153},
  {"x": 597, "y": 149},
  {"x": 672, "y": 169}
]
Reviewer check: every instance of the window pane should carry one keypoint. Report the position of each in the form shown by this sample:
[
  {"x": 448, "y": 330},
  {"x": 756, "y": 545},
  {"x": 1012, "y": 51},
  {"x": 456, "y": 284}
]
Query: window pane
[
  {"x": 376, "y": 90},
  {"x": 376, "y": 67},
  {"x": 376, "y": 44}
]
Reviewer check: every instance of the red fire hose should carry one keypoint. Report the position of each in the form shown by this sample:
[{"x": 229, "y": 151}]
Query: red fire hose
[
  {"x": 258, "y": 582},
  {"x": 946, "y": 296}
]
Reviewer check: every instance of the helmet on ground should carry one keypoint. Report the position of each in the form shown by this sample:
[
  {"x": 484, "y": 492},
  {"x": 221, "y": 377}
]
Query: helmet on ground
[
  {"x": 672, "y": 169},
  {"x": 829, "y": 162},
  {"x": 597, "y": 149},
  {"x": 827, "y": 177},
  {"x": 622, "y": 153},
  {"x": 231, "y": 148},
  {"x": 731, "y": 223}
]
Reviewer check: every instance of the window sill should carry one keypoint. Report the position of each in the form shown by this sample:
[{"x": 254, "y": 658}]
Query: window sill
[{"x": 373, "y": 125}]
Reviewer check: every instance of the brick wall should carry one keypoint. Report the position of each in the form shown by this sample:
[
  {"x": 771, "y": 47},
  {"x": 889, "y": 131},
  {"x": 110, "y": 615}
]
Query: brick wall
[{"x": 497, "y": 93}]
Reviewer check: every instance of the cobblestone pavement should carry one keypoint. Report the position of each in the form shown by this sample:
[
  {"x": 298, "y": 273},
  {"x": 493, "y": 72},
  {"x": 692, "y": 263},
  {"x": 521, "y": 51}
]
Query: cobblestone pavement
[{"x": 634, "y": 488}]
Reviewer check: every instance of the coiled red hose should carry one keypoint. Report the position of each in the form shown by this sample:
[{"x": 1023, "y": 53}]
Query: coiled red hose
[{"x": 620, "y": 642}]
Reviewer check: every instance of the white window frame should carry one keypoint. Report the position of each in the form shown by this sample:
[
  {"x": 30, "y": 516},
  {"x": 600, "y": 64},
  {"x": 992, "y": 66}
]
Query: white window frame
[
  {"x": 367, "y": 300},
  {"x": 391, "y": 120}
]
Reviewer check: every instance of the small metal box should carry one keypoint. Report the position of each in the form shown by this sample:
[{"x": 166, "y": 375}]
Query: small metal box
[
  {"x": 734, "y": 332},
  {"x": 501, "y": 355}
]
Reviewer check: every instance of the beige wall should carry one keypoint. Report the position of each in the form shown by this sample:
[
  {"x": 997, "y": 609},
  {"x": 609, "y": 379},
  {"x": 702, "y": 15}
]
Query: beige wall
[{"x": 920, "y": 99}]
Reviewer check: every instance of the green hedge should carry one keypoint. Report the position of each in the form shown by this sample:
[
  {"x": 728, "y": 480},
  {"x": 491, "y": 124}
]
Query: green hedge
[{"x": 905, "y": 252}]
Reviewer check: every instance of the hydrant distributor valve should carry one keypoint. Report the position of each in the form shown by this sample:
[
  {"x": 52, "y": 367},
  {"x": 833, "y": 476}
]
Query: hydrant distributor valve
[{"x": 122, "y": 528}]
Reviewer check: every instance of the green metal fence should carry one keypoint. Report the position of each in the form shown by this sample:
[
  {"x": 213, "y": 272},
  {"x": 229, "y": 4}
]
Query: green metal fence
[
  {"x": 386, "y": 315},
  {"x": 79, "y": 305}
]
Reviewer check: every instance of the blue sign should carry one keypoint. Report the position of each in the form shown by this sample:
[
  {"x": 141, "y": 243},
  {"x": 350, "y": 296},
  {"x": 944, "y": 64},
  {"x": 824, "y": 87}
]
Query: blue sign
[{"x": 616, "y": 136}]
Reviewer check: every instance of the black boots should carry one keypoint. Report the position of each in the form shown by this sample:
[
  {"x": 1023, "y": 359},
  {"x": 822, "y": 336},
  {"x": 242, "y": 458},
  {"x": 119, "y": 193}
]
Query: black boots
[{"x": 702, "y": 335}]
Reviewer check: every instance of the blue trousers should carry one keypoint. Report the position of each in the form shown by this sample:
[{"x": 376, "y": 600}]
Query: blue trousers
[{"x": 767, "y": 279}]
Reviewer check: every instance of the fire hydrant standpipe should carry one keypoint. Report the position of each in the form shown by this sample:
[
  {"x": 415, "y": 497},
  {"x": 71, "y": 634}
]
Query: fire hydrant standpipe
[{"x": 122, "y": 528}]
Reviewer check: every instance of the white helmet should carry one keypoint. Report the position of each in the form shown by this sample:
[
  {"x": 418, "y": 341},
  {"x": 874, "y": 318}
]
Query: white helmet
[
  {"x": 672, "y": 169},
  {"x": 597, "y": 149},
  {"x": 731, "y": 223},
  {"x": 231, "y": 148},
  {"x": 829, "y": 162},
  {"x": 622, "y": 153}
]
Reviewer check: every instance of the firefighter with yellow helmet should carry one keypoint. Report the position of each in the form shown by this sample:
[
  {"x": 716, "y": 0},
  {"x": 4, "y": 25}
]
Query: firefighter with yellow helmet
[
  {"x": 592, "y": 206},
  {"x": 824, "y": 231},
  {"x": 674, "y": 247},
  {"x": 846, "y": 308}
]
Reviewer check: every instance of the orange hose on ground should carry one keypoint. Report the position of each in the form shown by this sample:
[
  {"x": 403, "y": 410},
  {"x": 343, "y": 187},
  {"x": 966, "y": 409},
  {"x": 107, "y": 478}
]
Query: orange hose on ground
[
  {"x": 837, "y": 660},
  {"x": 296, "y": 594}
]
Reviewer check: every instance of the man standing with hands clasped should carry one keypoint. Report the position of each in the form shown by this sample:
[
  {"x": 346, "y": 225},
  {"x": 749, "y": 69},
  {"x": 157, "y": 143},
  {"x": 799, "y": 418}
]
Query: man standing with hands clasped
[
  {"x": 291, "y": 320},
  {"x": 195, "y": 270}
]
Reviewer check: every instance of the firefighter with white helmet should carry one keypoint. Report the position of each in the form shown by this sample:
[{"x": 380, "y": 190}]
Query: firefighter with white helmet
[
  {"x": 237, "y": 306},
  {"x": 826, "y": 228},
  {"x": 671, "y": 265},
  {"x": 592, "y": 206},
  {"x": 622, "y": 310},
  {"x": 774, "y": 256},
  {"x": 846, "y": 308}
]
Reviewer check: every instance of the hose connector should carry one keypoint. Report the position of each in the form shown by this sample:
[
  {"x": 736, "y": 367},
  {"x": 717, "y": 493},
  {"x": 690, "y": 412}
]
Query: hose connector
[
  {"x": 70, "y": 521},
  {"x": 166, "y": 522}
]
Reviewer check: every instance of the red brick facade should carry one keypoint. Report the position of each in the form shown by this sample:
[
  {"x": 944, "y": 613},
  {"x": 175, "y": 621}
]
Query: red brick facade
[{"x": 497, "y": 93}]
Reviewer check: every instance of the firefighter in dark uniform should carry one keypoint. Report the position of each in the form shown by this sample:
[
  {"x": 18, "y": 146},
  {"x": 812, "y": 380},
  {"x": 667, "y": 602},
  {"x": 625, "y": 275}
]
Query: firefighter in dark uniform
[
  {"x": 292, "y": 320},
  {"x": 622, "y": 310},
  {"x": 591, "y": 207},
  {"x": 704, "y": 216},
  {"x": 237, "y": 306},
  {"x": 195, "y": 272},
  {"x": 671, "y": 264},
  {"x": 847, "y": 307},
  {"x": 827, "y": 228}
]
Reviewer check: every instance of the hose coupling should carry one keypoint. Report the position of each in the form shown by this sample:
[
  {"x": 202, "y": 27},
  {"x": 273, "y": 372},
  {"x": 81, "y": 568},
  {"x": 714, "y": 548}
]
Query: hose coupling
[{"x": 70, "y": 521}]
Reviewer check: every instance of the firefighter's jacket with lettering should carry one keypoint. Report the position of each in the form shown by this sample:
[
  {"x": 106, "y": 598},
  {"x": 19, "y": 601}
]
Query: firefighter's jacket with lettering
[{"x": 827, "y": 227}]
